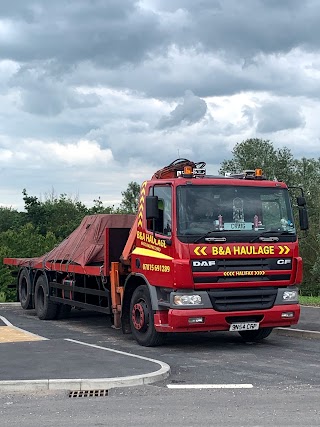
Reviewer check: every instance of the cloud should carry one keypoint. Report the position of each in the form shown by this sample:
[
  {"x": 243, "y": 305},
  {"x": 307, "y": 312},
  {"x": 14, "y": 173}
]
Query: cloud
[
  {"x": 76, "y": 154},
  {"x": 80, "y": 153},
  {"x": 192, "y": 110},
  {"x": 40, "y": 94},
  {"x": 92, "y": 94},
  {"x": 109, "y": 33},
  {"x": 275, "y": 117},
  {"x": 246, "y": 28}
]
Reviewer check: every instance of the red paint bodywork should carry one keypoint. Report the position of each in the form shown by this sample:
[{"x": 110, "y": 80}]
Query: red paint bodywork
[
  {"x": 181, "y": 276},
  {"x": 178, "y": 320}
]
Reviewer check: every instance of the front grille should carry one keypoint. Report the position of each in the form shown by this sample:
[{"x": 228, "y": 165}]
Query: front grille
[
  {"x": 201, "y": 269},
  {"x": 243, "y": 264},
  {"x": 246, "y": 279},
  {"x": 242, "y": 299}
]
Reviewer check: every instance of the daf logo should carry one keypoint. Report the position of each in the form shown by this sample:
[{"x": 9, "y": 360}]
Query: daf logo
[
  {"x": 203, "y": 263},
  {"x": 283, "y": 261}
]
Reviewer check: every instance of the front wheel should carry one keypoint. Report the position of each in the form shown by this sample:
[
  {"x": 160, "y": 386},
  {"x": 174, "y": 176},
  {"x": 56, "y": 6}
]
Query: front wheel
[
  {"x": 142, "y": 320},
  {"x": 256, "y": 336}
]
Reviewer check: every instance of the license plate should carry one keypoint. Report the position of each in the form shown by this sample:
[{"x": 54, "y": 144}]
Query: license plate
[{"x": 245, "y": 326}]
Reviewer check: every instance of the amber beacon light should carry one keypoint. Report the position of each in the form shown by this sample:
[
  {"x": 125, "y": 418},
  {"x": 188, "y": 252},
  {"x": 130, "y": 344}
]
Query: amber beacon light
[
  {"x": 188, "y": 171},
  {"x": 258, "y": 173}
]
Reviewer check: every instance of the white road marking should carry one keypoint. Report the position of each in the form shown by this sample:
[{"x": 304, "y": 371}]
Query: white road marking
[
  {"x": 165, "y": 368},
  {"x": 201, "y": 386},
  {"x": 7, "y": 323},
  {"x": 10, "y": 304}
]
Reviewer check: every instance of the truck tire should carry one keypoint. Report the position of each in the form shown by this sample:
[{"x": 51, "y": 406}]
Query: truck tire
[
  {"x": 24, "y": 290},
  {"x": 45, "y": 309},
  {"x": 142, "y": 320},
  {"x": 255, "y": 336}
]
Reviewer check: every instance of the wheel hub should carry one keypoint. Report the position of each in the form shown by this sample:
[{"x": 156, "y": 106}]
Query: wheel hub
[{"x": 140, "y": 316}]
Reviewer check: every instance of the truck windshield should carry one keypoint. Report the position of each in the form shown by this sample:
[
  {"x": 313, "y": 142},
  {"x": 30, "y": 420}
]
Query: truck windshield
[{"x": 236, "y": 211}]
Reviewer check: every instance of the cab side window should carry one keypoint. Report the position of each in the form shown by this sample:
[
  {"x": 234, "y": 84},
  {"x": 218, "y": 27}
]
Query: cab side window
[{"x": 163, "y": 224}]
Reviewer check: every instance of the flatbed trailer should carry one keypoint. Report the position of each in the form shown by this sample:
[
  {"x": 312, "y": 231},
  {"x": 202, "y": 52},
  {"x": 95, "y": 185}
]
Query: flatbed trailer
[{"x": 90, "y": 257}]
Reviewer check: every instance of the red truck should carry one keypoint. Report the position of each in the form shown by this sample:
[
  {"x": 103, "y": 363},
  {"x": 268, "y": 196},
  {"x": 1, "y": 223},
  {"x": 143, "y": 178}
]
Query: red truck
[{"x": 203, "y": 253}]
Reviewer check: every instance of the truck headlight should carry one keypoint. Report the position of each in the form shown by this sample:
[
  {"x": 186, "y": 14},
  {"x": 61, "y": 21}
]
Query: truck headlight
[
  {"x": 187, "y": 300},
  {"x": 290, "y": 296}
]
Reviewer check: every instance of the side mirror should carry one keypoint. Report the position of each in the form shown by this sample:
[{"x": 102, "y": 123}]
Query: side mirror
[
  {"x": 301, "y": 201},
  {"x": 303, "y": 219},
  {"x": 152, "y": 210}
]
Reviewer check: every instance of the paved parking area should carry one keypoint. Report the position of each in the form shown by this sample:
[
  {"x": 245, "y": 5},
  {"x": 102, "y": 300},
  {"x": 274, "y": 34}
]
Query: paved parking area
[
  {"x": 85, "y": 347},
  {"x": 10, "y": 333},
  {"x": 33, "y": 362}
]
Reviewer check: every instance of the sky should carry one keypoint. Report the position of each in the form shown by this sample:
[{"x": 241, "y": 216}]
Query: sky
[{"x": 95, "y": 94}]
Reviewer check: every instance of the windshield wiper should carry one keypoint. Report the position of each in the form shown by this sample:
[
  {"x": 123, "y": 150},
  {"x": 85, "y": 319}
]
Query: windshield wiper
[
  {"x": 271, "y": 235},
  {"x": 207, "y": 234}
]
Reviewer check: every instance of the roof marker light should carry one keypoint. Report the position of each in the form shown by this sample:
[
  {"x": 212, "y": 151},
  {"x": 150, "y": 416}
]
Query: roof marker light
[
  {"x": 258, "y": 173},
  {"x": 187, "y": 172}
]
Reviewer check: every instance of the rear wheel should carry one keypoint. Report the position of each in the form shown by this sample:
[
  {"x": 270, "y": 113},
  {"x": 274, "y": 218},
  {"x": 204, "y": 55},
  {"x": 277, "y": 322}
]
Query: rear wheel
[
  {"x": 256, "y": 336},
  {"x": 24, "y": 290},
  {"x": 142, "y": 320},
  {"x": 45, "y": 309}
]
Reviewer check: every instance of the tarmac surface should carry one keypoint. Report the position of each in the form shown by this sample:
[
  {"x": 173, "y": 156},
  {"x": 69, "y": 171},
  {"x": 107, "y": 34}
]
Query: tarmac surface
[{"x": 58, "y": 361}]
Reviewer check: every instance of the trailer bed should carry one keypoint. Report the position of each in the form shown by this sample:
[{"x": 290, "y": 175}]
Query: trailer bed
[{"x": 89, "y": 249}]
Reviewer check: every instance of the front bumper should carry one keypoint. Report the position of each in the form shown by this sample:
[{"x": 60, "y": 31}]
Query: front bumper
[{"x": 177, "y": 320}]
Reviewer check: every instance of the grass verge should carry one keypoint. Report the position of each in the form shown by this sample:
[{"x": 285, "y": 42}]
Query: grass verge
[{"x": 313, "y": 301}]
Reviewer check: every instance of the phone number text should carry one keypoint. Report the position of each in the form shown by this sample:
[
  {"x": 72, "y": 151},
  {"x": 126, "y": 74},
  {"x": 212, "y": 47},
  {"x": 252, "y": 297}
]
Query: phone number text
[{"x": 156, "y": 267}]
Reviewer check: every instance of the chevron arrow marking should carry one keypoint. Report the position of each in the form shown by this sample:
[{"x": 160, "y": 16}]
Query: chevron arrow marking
[
  {"x": 200, "y": 250},
  {"x": 284, "y": 250}
]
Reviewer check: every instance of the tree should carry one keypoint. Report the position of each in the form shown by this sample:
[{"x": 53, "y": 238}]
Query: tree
[
  {"x": 257, "y": 153},
  {"x": 10, "y": 218},
  {"x": 130, "y": 199},
  {"x": 6, "y": 294},
  {"x": 308, "y": 177},
  {"x": 35, "y": 213},
  {"x": 63, "y": 215},
  {"x": 26, "y": 242},
  {"x": 99, "y": 208},
  {"x": 23, "y": 242},
  {"x": 59, "y": 215}
]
